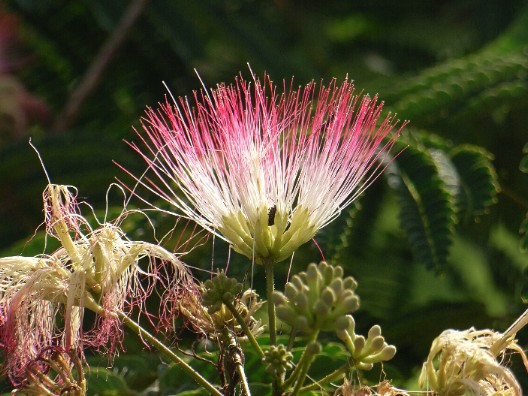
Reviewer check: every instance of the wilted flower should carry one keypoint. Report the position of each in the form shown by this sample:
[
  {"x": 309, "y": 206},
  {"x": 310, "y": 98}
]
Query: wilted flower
[
  {"x": 96, "y": 269},
  {"x": 462, "y": 362},
  {"x": 54, "y": 372},
  {"x": 263, "y": 170}
]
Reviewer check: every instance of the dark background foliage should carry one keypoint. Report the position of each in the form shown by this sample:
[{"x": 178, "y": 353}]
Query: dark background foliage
[{"x": 429, "y": 253}]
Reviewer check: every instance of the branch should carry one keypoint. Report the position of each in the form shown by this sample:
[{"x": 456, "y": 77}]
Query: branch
[{"x": 95, "y": 71}]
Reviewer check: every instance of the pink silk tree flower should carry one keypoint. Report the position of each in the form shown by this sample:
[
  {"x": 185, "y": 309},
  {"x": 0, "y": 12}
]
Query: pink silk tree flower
[{"x": 266, "y": 170}]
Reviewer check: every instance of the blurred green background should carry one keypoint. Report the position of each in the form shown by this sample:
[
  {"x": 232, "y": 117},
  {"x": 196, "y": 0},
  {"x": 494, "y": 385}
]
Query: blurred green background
[{"x": 76, "y": 76}]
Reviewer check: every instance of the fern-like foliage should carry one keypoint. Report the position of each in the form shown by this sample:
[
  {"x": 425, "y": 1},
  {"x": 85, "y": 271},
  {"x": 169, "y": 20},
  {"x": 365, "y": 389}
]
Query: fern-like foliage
[
  {"x": 438, "y": 186},
  {"x": 427, "y": 206},
  {"x": 464, "y": 87},
  {"x": 477, "y": 181},
  {"x": 523, "y": 230},
  {"x": 480, "y": 82}
]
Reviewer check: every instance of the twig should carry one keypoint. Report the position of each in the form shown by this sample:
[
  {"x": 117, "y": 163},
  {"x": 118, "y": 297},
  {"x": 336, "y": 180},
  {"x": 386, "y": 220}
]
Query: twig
[
  {"x": 509, "y": 334},
  {"x": 96, "y": 69}
]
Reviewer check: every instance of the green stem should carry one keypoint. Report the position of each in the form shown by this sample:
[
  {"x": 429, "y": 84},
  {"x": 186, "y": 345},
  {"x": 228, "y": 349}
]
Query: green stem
[
  {"x": 245, "y": 327},
  {"x": 291, "y": 339},
  {"x": 243, "y": 379},
  {"x": 328, "y": 378},
  {"x": 305, "y": 366},
  {"x": 304, "y": 361},
  {"x": 302, "y": 376},
  {"x": 270, "y": 288},
  {"x": 168, "y": 353},
  {"x": 272, "y": 320}
]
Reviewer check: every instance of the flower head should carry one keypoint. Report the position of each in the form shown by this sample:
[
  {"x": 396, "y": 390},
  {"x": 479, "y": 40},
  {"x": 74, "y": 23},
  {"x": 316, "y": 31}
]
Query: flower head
[
  {"x": 462, "y": 362},
  {"x": 266, "y": 170},
  {"x": 43, "y": 299}
]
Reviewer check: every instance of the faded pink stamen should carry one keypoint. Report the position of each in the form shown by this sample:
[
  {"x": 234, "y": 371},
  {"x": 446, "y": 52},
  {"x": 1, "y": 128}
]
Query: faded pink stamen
[{"x": 43, "y": 299}]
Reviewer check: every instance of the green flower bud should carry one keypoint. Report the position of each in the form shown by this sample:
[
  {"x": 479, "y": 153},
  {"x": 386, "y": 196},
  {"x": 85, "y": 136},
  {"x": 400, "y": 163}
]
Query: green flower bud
[
  {"x": 376, "y": 344},
  {"x": 350, "y": 283},
  {"x": 337, "y": 286},
  {"x": 365, "y": 352},
  {"x": 302, "y": 324},
  {"x": 328, "y": 273},
  {"x": 320, "y": 295},
  {"x": 298, "y": 283},
  {"x": 328, "y": 296},
  {"x": 312, "y": 273},
  {"x": 218, "y": 290},
  {"x": 385, "y": 354},
  {"x": 321, "y": 309},
  {"x": 278, "y": 298},
  {"x": 374, "y": 331},
  {"x": 313, "y": 348},
  {"x": 346, "y": 323},
  {"x": 359, "y": 344},
  {"x": 350, "y": 304},
  {"x": 364, "y": 366},
  {"x": 277, "y": 359},
  {"x": 287, "y": 314},
  {"x": 301, "y": 301},
  {"x": 290, "y": 291}
]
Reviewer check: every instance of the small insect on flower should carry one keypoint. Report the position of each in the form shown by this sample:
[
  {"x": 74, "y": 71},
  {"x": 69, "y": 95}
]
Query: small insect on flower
[
  {"x": 310, "y": 150},
  {"x": 271, "y": 215}
]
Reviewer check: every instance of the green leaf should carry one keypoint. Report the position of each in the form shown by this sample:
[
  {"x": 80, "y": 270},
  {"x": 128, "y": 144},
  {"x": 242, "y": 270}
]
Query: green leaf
[
  {"x": 483, "y": 82},
  {"x": 174, "y": 380},
  {"x": 478, "y": 184},
  {"x": 102, "y": 382},
  {"x": 137, "y": 370},
  {"x": 523, "y": 166},
  {"x": 427, "y": 204}
]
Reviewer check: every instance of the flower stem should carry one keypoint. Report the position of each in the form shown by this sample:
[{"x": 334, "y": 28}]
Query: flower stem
[
  {"x": 304, "y": 363},
  {"x": 235, "y": 356},
  {"x": 328, "y": 378},
  {"x": 302, "y": 376},
  {"x": 243, "y": 380},
  {"x": 270, "y": 288},
  {"x": 302, "y": 367},
  {"x": 245, "y": 327},
  {"x": 509, "y": 334},
  {"x": 169, "y": 354}
]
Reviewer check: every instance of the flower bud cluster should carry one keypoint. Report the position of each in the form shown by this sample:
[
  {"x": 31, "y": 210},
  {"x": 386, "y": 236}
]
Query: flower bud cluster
[
  {"x": 365, "y": 352},
  {"x": 220, "y": 290},
  {"x": 206, "y": 308},
  {"x": 278, "y": 359},
  {"x": 314, "y": 300}
]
